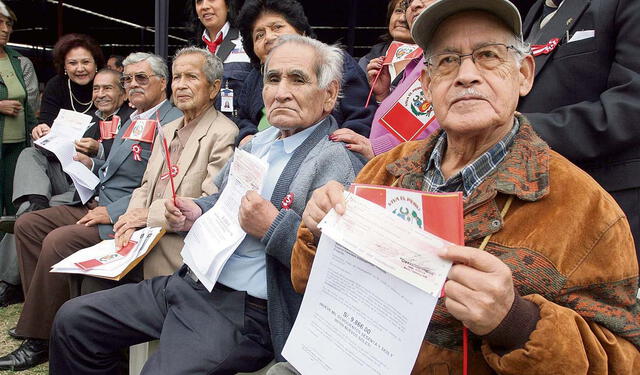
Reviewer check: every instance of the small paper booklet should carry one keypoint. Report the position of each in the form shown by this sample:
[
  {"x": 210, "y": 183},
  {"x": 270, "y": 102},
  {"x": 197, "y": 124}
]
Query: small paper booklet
[{"x": 103, "y": 260}]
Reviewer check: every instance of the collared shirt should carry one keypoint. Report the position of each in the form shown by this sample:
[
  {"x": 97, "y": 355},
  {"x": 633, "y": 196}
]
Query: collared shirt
[
  {"x": 246, "y": 268},
  {"x": 223, "y": 31},
  {"x": 472, "y": 175},
  {"x": 147, "y": 115},
  {"x": 177, "y": 142},
  {"x": 550, "y": 8}
]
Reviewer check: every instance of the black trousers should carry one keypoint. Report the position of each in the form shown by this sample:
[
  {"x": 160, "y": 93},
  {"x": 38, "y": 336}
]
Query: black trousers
[{"x": 222, "y": 332}]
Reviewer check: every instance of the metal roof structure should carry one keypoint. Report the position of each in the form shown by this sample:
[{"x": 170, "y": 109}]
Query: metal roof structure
[{"x": 124, "y": 26}]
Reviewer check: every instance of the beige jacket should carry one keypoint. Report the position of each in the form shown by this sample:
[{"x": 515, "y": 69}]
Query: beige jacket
[{"x": 209, "y": 147}]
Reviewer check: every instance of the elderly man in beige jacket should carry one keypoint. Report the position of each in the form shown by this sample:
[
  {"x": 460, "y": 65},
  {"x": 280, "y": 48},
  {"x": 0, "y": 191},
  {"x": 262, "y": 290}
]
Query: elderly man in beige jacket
[{"x": 199, "y": 145}]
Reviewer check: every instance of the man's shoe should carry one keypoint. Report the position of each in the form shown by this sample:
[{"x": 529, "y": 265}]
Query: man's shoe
[
  {"x": 31, "y": 353},
  {"x": 7, "y": 223},
  {"x": 10, "y": 294},
  {"x": 12, "y": 332}
]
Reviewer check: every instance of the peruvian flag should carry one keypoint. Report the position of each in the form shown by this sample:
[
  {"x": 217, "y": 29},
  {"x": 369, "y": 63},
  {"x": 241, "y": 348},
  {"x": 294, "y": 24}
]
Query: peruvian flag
[
  {"x": 141, "y": 131},
  {"x": 437, "y": 213},
  {"x": 410, "y": 115},
  {"x": 399, "y": 51},
  {"x": 109, "y": 129}
]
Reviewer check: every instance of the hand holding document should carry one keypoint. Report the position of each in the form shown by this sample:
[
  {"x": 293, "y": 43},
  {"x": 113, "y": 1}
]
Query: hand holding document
[
  {"x": 104, "y": 260},
  {"x": 374, "y": 285},
  {"x": 217, "y": 233},
  {"x": 388, "y": 242},
  {"x": 68, "y": 127}
]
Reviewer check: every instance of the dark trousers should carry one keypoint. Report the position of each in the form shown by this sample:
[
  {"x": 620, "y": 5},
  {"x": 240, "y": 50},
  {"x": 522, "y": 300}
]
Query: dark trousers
[
  {"x": 223, "y": 332},
  {"x": 8, "y": 160},
  {"x": 43, "y": 238}
]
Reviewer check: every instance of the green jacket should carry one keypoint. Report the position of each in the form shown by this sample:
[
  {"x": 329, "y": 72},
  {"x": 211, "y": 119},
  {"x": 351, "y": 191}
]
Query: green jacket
[{"x": 27, "y": 77}]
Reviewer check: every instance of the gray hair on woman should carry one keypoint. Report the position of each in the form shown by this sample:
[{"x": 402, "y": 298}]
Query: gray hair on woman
[
  {"x": 157, "y": 63},
  {"x": 212, "y": 65},
  {"x": 328, "y": 63}
]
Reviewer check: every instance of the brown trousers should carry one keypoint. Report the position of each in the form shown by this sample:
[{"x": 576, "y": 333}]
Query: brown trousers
[{"x": 43, "y": 238}]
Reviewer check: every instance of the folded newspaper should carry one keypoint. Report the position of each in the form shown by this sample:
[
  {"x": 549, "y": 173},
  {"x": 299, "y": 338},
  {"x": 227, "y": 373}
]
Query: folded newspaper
[{"x": 105, "y": 261}]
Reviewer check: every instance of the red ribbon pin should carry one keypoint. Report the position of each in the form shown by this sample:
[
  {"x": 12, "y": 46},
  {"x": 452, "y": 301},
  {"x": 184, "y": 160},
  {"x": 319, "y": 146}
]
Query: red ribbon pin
[
  {"x": 544, "y": 49},
  {"x": 137, "y": 151},
  {"x": 174, "y": 172},
  {"x": 287, "y": 201}
]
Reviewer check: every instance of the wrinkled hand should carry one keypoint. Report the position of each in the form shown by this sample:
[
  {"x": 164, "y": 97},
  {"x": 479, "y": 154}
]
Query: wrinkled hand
[
  {"x": 256, "y": 214},
  {"x": 245, "y": 140},
  {"x": 355, "y": 142},
  {"x": 383, "y": 84},
  {"x": 128, "y": 223},
  {"x": 98, "y": 215},
  {"x": 181, "y": 216},
  {"x": 479, "y": 291},
  {"x": 84, "y": 159},
  {"x": 322, "y": 201},
  {"x": 10, "y": 107},
  {"x": 40, "y": 131},
  {"x": 88, "y": 146}
]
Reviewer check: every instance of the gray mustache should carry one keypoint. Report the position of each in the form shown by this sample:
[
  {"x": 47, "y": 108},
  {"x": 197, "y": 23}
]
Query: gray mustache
[
  {"x": 136, "y": 90},
  {"x": 469, "y": 92}
]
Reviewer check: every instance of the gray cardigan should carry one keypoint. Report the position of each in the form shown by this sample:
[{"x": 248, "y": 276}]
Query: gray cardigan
[{"x": 314, "y": 163}]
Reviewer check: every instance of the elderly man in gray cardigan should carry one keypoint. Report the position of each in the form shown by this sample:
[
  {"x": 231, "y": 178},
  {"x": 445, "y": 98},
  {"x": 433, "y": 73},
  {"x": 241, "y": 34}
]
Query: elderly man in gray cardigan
[{"x": 244, "y": 322}]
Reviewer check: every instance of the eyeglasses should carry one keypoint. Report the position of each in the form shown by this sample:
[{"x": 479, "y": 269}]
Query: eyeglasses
[
  {"x": 487, "y": 57},
  {"x": 404, "y": 4},
  {"x": 141, "y": 78}
]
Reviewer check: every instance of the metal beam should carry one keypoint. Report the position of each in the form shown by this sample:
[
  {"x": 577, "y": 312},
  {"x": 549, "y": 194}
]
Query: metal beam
[{"x": 162, "y": 29}]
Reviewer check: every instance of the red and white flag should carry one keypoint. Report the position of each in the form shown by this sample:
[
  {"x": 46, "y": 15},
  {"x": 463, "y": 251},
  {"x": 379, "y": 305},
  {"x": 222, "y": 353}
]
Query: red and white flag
[
  {"x": 410, "y": 115},
  {"x": 141, "y": 131},
  {"x": 399, "y": 51}
]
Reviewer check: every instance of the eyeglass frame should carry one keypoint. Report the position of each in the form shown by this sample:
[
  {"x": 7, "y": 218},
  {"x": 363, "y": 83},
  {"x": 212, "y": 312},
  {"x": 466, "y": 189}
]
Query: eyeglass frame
[
  {"x": 404, "y": 4},
  {"x": 132, "y": 77},
  {"x": 427, "y": 59}
]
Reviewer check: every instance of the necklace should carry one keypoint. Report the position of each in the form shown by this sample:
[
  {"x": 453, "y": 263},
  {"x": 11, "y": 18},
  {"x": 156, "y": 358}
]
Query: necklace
[{"x": 73, "y": 98}]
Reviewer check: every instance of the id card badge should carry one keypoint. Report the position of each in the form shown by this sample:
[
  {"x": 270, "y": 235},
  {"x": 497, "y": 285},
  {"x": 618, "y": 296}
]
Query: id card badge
[{"x": 226, "y": 100}]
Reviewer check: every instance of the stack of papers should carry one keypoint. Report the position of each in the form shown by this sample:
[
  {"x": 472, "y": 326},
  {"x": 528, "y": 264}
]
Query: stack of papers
[
  {"x": 103, "y": 260},
  {"x": 375, "y": 282},
  {"x": 217, "y": 234},
  {"x": 68, "y": 127}
]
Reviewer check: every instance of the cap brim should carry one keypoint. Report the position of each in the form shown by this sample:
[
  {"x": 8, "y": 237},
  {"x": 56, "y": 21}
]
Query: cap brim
[{"x": 428, "y": 21}]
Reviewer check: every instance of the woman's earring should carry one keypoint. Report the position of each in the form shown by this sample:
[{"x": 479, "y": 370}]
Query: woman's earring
[{"x": 65, "y": 72}]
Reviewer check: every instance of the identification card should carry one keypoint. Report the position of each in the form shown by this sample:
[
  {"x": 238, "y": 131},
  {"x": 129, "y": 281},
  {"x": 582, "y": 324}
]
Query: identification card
[{"x": 226, "y": 100}]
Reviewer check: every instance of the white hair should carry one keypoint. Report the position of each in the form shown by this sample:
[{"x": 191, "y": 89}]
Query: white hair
[
  {"x": 212, "y": 65},
  {"x": 328, "y": 61},
  {"x": 157, "y": 63},
  {"x": 4, "y": 11}
]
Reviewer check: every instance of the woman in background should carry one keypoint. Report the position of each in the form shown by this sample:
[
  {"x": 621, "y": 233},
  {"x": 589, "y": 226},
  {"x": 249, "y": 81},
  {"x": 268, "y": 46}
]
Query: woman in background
[
  {"x": 18, "y": 96},
  {"x": 215, "y": 30},
  {"x": 77, "y": 58}
]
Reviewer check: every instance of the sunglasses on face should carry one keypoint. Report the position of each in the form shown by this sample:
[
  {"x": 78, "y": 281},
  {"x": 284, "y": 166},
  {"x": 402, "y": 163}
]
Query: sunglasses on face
[{"x": 142, "y": 79}]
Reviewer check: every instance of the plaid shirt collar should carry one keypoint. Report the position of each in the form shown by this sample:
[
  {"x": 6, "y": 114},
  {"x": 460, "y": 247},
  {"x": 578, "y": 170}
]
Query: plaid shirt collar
[{"x": 471, "y": 176}]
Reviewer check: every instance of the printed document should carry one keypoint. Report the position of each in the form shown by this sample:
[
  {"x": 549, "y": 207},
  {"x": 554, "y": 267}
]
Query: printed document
[
  {"x": 68, "y": 127},
  {"x": 217, "y": 233}
]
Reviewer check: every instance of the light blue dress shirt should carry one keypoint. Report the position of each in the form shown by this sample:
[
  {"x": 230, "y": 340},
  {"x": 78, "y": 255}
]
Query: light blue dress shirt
[{"x": 246, "y": 268}]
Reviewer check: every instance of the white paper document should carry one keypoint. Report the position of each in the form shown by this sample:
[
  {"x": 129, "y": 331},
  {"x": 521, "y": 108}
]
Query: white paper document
[
  {"x": 388, "y": 242},
  {"x": 103, "y": 260},
  {"x": 356, "y": 318},
  {"x": 68, "y": 127},
  {"x": 217, "y": 233}
]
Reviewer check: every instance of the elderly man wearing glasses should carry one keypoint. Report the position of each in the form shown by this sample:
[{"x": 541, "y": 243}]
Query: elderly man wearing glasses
[
  {"x": 546, "y": 281},
  {"x": 45, "y": 237}
]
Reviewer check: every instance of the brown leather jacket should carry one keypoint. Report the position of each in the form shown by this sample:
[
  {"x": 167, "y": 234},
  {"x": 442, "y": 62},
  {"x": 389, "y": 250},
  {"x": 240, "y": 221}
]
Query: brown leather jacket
[{"x": 570, "y": 250}]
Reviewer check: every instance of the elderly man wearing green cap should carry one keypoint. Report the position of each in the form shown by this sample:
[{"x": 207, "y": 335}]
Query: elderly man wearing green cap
[{"x": 546, "y": 282}]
